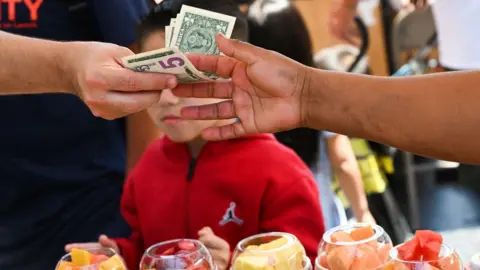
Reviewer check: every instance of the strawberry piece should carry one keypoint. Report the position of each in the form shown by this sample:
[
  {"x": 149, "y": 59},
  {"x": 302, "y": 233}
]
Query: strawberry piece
[
  {"x": 169, "y": 251},
  {"x": 186, "y": 245}
]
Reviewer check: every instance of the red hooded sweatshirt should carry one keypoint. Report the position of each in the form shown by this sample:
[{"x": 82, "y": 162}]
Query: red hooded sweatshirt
[{"x": 237, "y": 187}]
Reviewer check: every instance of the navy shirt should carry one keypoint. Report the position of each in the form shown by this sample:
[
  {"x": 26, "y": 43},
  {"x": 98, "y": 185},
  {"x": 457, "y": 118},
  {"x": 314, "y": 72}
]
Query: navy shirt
[{"x": 61, "y": 168}]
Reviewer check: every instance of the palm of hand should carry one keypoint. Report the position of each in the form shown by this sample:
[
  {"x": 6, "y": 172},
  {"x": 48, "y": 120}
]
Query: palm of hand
[{"x": 258, "y": 101}]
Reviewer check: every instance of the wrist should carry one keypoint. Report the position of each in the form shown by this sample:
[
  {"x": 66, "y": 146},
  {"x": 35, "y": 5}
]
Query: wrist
[
  {"x": 306, "y": 98},
  {"x": 65, "y": 65}
]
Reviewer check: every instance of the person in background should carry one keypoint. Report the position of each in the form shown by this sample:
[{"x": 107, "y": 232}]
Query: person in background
[
  {"x": 265, "y": 17},
  {"x": 218, "y": 192},
  {"x": 62, "y": 169},
  {"x": 457, "y": 44}
]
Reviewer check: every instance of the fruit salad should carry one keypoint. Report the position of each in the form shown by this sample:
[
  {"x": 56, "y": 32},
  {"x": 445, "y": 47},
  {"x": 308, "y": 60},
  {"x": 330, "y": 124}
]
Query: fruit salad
[
  {"x": 177, "y": 254},
  {"x": 354, "y": 247},
  {"x": 95, "y": 259},
  {"x": 425, "y": 251},
  {"x": 272, "y": 251}
]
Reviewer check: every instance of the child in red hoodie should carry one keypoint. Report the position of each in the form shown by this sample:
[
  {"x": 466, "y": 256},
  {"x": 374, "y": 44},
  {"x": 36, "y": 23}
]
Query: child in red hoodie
[{"x": 219, "y": 192}]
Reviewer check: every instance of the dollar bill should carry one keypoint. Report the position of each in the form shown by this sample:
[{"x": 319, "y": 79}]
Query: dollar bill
[
  {"x": 195, "y": 30},
  {"x": 167, "y": 60}
]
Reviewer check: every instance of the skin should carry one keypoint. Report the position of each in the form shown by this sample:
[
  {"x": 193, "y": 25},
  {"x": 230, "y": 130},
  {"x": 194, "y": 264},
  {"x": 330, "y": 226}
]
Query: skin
[
  {"x": 431, "y": 115},
  {"x": 345, "y": 167},
  {"x": 165, "y": 114},
  {"x": 89, "y": 70}
]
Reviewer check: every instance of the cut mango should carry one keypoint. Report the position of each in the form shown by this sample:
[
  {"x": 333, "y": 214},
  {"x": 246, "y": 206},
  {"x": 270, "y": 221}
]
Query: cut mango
[
  {"x": 366, "y": 258},
  {"x": 341, "y": 257},
  {"x": 362, "y": 233},
  {"x": 340, "y": 237},
  {"x": 80, "y": 257},
  {"x": 113, "y": 263}
]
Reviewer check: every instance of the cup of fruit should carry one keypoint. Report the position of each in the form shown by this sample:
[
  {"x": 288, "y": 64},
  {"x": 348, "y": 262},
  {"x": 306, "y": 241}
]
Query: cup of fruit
[
  {"x": 358, "y": 246},
  {"x": 177, "y": 254},
  {"x": 426, "y": 251},
  {"x": 91, "y": 259},
  {"x": 273, "y": 251}
]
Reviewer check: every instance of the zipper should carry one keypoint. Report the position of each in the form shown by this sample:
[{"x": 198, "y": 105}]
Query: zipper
[{"x": 190, "y": 174}]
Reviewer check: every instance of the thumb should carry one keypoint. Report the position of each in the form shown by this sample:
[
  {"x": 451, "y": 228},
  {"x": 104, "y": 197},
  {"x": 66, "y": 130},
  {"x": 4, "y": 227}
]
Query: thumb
[
  {"x": 239, "y": 50},
  {"x": 105, "y": 241}
]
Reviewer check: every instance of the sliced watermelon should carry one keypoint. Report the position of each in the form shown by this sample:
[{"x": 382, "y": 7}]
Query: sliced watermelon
[
  {"x": 426, "y": 236},
  {"x": 430, "y": 251},
  {"x": 409, "y": 251}
]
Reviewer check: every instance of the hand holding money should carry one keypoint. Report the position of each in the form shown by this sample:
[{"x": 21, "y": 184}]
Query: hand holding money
[
  {"x": 109, "y": 90},
  {"x": 192, "y": 31}
]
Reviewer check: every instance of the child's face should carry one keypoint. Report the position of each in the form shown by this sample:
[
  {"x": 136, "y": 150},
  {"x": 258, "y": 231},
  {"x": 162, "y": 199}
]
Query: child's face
[{"x": 166, "y": 113}]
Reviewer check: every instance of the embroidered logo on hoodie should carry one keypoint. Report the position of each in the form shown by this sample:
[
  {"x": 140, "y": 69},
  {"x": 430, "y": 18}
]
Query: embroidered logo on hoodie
[{"x": 230, "y": 216}]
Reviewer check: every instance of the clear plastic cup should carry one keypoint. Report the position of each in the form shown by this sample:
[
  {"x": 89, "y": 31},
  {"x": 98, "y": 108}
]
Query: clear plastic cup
[
  {"x": 448, "y": 260},
  {"x": 275, "y": 250},
  {"x": 339, "y": 250},
  {"x": 95, "y": 259},
  {"x": 177, "y": 254}
]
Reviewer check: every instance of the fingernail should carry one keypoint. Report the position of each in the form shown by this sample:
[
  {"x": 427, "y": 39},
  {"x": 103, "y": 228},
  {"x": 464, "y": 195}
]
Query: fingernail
[
  {"x": 171, "y": 83},
  {"x": 221, "y": 35}
]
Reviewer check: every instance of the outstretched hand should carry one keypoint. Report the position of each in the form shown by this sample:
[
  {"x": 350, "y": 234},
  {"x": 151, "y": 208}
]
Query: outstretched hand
[{"x": 267, "y": 91}]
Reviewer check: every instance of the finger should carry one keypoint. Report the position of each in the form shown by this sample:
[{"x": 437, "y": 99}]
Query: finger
[
  {"x": 106, "y": 242},
  {"x": 118, "y": 104},
  {"x": 123, "y": 79},
  {"x": 221, "y": 90},
  {"x": 220, "y": 65},
  {"x": 211, "y": 241},
  {"x": 221, "y": 110},
  {"x": 231, "y": 131},
  {"x": 69, "y": 247},
  {"x": 239, "y": 50},
  {"x": 205, "y": 231}
]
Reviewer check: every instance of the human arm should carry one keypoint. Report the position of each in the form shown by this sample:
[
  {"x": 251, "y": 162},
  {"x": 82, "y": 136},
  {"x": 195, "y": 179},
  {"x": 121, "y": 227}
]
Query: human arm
[
  {"x": 435, "y": 115},
  {"x": 347, "y": 172},
  {"x": 89, "y": 70}
]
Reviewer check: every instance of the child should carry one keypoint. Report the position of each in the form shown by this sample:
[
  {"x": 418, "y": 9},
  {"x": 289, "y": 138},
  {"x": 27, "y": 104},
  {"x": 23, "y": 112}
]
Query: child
[
  {"x": 266, "y": 17},
  {"x": 219, "y": 192}
]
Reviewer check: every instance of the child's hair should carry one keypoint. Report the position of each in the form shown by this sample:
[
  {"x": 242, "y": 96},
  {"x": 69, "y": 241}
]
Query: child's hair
[
  {"x": 160, "y": 16},
  {"x": 278, "y": 26}
]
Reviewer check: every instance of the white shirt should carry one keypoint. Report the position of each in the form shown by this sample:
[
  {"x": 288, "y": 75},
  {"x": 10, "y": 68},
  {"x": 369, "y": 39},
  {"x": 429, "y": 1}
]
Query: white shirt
[{"x": 458, "y": 28}]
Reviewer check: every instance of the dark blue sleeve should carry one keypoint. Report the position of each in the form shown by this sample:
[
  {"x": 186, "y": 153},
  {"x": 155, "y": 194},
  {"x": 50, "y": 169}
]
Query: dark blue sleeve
[{"x": 118, "y": 19}]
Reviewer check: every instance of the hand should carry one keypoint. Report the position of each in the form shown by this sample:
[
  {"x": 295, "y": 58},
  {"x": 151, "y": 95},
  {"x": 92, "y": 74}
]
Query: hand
[
  {"x": 219, "y": 248},
  {"x": 366, "y": 217},
  {"x": 108, "y": 89},
  {"x": 341, "y": 21},
  {"x": 103, "y": 242},
  {"x": 267, "y": 91}
]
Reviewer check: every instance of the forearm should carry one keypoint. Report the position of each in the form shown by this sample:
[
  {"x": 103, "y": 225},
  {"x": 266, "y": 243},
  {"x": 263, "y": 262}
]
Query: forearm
[
  {"x": 433, "y": 115},
  {"x": 347, "y": 172},
  {"x": 32, "y": 66}
]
